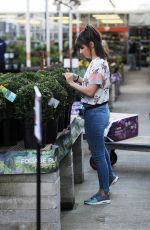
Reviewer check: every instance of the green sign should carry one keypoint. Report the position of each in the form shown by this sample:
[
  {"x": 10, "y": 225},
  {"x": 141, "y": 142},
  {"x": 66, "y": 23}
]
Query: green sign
[
  {"x": 22, "y": 162},
  {"x": 10, "y": 96}
]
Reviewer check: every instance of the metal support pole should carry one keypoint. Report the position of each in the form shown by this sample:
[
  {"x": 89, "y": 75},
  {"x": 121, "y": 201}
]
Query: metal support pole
[
  {"x": 77, "y": 23},
  {"x": 60, "y": 34},
  {"x": 38, "y": 216},
  {"x": 28, "y": 40},
  {"x": 70, "y": 37},
  {"x": 47, "y": 34},
  {"x": 38, "y": 136}
]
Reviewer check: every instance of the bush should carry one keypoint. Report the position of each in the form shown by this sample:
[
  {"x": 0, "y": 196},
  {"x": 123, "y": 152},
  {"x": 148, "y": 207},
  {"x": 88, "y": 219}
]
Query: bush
[
  {"x": 25, "y": 102},
  {"x": 58, "y": 75},
  {"x": 58, "y": 91},
  {"x": 13, "y": 83}
]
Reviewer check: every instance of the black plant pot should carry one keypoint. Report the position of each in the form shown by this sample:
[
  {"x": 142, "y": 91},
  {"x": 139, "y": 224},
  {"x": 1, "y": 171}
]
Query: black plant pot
[
  {"x": 51, "y": 131},
  {"x": 61, "y": 122},
  {"x": 1, "y": 141},
  {"x": 8, "y": 132},
  {"x": 29, "y": 138},
  {"x": 67, "y": 116},
  {"x": 20, "y": 125}
]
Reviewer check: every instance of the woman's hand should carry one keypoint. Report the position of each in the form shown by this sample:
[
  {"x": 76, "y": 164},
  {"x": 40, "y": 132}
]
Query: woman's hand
[
  {"x": 69, "y": 78},
  {"x": 86, "y": 90}
]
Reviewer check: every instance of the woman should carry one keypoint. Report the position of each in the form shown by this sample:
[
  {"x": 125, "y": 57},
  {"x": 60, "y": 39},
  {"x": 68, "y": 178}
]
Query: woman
[{"x": 95, "y": 90}]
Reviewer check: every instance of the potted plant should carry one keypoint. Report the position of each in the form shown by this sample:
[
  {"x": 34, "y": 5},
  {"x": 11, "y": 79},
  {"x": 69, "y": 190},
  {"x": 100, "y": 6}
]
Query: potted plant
[
  {"x": 8, "y": 114},
  {"x": 61, "y": 95},
  {"x": 57, "y": 73},
  {"x": 24, "y": 109}
]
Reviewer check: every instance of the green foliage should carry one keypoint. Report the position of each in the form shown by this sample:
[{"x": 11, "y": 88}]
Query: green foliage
[
  {"x": 57, "y": 73},
  {"x": 4, "y": 168},
  {"x": 39, "y": 48},
  {"x": 13, "y": 83},
  {"x": 19, "y": 50},
  {"x": 54, "y": 53},
  {"x": 5, "y": 76},
  {"x": 35, "y": 60},
  {"x": 28, "y": 75},
  {"x": 50, "y": 83},
  {"x": 116, "y": 63},
  {"x": 25, "y": 102},
  {"x": 59, "y": 92}
]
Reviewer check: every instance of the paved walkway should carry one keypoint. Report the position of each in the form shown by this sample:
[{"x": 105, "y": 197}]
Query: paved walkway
[{"x": 130, "y": 206}]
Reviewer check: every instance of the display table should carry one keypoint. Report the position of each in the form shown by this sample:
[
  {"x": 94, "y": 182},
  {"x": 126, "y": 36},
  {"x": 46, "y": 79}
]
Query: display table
[{"x": 61, "y": 167}]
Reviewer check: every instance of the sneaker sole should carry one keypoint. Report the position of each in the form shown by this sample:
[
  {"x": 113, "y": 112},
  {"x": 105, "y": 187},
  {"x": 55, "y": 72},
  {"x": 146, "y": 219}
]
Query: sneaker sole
[
  {"x": 101, "y": 202},
  {"x": 114, "y": 181}
]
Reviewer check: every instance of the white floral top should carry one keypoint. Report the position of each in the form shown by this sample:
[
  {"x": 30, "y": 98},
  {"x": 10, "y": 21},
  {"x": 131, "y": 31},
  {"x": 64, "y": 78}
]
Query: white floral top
[{"x": 97, "y": 73}]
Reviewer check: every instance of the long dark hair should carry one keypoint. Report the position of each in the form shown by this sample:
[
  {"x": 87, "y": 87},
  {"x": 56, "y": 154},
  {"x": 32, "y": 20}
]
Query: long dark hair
[{"x": 90, "y": 34}]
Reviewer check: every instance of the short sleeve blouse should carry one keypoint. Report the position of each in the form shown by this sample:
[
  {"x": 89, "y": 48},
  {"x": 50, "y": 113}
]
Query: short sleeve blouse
[{"x": 97, "y": 73}]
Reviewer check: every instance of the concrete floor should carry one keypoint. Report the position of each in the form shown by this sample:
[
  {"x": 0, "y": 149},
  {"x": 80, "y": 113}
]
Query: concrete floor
[{"x": 130, "y": 206}]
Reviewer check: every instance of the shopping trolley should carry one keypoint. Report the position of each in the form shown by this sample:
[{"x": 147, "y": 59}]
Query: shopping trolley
[{"x": 138, "y": 143}]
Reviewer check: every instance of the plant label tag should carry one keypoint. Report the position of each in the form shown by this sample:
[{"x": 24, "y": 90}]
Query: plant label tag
[
  {"x": 37, "y": 114},
  {"x": 53, "y": 102},
  {"x": 10, "y": 96}
]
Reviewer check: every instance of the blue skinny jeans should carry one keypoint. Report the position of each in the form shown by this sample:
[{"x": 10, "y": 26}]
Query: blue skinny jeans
[{"x": 96, "y": 120}]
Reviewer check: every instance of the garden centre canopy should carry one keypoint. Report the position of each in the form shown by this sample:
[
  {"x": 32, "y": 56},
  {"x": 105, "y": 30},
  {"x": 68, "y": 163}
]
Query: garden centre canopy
[
  {"x": 121, "y": 6},
  {"x": 86, "y": 6}
]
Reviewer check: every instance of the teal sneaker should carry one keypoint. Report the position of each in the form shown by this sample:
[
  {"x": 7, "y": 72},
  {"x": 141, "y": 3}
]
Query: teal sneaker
[{"x": 98, "y": 199}]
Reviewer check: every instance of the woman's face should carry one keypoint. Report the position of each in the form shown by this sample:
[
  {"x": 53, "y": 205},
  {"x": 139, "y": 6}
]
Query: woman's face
[{"x": 85, "y": 51}]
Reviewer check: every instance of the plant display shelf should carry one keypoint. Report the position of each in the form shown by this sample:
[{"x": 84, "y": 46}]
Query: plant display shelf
[{"x": 61, "y": 168}]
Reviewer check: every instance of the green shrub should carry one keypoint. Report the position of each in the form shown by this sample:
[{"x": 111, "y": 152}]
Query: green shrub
[{"x": 25, "y": 102}]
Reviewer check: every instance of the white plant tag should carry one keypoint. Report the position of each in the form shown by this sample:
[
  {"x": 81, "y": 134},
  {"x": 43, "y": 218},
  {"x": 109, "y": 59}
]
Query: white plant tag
[{"x": 53, "y": 102}]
